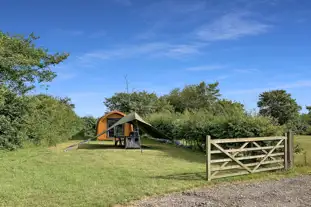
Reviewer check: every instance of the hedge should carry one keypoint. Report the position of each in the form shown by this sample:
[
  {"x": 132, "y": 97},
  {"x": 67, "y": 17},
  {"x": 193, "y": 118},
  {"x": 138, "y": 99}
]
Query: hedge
[
  {"x": 39, "y": 120},
  {"x": 194, "y": 126}
]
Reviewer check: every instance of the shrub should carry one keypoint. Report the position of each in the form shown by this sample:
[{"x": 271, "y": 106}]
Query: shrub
[
  {"x": 89, "y": 126},
  {"x": 40, "y": 120},
  {"x": 308, "y": 131},
  {"x": 194, "y": 126},
  {"x": 13, "y": 109},
  {"x": 164, "y": 122},
  {"x": 58, "y": 122}
]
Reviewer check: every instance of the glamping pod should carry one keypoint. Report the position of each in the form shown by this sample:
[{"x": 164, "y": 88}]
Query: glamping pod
[{"x": 107, "y": 121}]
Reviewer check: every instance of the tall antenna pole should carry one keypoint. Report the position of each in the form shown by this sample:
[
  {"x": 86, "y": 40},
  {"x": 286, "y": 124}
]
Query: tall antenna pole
[
  {"x": 127, "y": 84},
  {"x": 127, "y": 91}
]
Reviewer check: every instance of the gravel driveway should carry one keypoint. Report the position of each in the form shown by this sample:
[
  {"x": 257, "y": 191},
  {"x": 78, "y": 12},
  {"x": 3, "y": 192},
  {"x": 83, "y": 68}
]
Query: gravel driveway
[{"x": 288, "y": 192}]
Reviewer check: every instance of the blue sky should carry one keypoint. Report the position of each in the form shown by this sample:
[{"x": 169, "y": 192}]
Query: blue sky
[{"x": 248, "y": 46}]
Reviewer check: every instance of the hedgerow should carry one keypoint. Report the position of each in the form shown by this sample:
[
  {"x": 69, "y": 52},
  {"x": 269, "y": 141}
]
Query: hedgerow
[
  {"x": 39, "y": 120},
  {"x": 195, "y": 126}
]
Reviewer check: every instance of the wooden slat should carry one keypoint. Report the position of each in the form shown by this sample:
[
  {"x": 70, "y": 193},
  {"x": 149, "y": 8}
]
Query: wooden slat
[
  {"x": 248, "y": 165},
  {"x": 208, "y": 158},
  {"x": 285, "y": 153},
  {"x": 217, "y": 141},
  {"x": 245, "y": 172},
  {"x": 246, "y": 158},
  {"x": 230, "y": 174},
  {"x": 234, "y": 155},
  {"x": 269, "y": 169},
  {"x": 271, "y": 151},
  {"x": 246, "y": 149},
  {"x": 232, "y": 158}
]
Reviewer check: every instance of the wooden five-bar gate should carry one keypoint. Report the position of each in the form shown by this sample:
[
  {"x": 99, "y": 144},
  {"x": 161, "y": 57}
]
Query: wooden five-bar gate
[{"x": 241, "y": 156}]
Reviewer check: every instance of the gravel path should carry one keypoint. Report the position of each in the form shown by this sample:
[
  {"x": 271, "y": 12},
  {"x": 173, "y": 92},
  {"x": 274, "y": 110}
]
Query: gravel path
[{"x": 288, "y": 192}]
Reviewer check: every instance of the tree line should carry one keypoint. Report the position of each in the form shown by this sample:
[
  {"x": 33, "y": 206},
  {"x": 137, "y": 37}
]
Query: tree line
[
  {"x": 276, "y": 104},
  {"x": 194, "y": 111},
  {"x": 188, "y": 113}
]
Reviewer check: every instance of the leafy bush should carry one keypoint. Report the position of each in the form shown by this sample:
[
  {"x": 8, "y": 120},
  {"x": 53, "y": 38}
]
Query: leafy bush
[
  {"x": 164, "y": 122},
  {"x": 40, "y": 120},
  {"x": 194, "y": 126},
  {"x": 58, "y": 122},
  {"x": 297, "y": 148},
  {"x": 308, "y": 131},
  {"x": 13, "y": 109},
  {"x": 89, "y": 126}
]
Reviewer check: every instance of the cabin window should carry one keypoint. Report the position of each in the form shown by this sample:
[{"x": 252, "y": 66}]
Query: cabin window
[{"x": 117, "y": 131}]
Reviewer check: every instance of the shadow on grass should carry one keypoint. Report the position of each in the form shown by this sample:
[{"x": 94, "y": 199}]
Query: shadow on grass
[
  {"x": 170, "y": 150},
  {"x": 184, "y": 176},
  {"x": 106, "y": 146},
  {"x": 178, "y": 152}
]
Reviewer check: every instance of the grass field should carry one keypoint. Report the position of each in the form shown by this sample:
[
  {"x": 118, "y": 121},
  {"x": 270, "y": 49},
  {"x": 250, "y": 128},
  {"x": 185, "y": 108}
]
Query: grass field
[
  {"x": 303, "y": 158},
  {"x": 102, "y": 176}
]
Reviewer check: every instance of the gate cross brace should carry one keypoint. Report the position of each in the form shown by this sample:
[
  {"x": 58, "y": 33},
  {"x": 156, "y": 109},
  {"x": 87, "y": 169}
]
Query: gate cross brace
[
  {"x": 272, "y": 150},
  {"x": 264, "y": 151},
  {"x": 232, "y": 158},
  {"x": 233, "y": 155}
]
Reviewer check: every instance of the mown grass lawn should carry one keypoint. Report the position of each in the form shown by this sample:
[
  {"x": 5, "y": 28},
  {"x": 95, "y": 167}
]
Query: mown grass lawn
[
  {"x": 303, "y": 158},
  {"x": 100, "y": 176},
  {"x": 95, "y": 177}
]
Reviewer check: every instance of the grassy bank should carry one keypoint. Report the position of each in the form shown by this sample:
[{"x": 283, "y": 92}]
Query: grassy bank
[{"x": 102, "y": 176}]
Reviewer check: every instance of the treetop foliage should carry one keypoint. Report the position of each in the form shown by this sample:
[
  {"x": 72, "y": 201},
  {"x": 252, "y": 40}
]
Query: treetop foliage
[
  {"x": 22, "y": 63},
  {"x": 278, "y": 104}
]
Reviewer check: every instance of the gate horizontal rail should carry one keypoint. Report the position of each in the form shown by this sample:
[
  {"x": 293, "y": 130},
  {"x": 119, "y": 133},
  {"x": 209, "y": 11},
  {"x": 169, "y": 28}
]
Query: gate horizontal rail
[{"x": 247, "y": 155}]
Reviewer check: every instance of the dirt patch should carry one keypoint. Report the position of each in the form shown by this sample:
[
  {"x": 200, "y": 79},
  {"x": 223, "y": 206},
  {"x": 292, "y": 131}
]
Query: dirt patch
[{"x": 288, "y": 192}]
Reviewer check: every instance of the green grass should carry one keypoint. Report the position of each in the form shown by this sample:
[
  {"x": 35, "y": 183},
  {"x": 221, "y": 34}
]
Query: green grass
[
  {"x": 103, "y": 176},
  {"x": 303, "y": 158},
  {"x": 95, "y": 177}
]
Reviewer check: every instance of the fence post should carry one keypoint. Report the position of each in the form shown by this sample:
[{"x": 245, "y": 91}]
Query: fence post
[
  {"x": 286, "y": 152},
  {"x": 305, "y": 158},
  {"x": 290, "y": 150},
  {"x": 208, "y": 157}
]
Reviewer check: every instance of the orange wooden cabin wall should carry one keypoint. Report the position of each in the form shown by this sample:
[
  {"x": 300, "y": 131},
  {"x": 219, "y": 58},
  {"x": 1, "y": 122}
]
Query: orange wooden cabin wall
[{"x": 102, "y": 125}]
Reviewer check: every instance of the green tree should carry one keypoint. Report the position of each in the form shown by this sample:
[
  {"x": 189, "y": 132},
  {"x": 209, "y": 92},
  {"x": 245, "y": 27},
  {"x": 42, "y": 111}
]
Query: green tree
[
  {"x": 50, "y": 121},
  {"x": 228, "y": 107},
  {"x": 174, "y": 98},
  {"x": 280, "y": 105},
  {"x": 22, "y": 63},
  {"x": 89, "y": 126},
  {"x": 13, "y": 110},
  {"x": 194, "y": 97},
  {"x": 66, "y": 101},
  {"x": 141, "y": 102}
]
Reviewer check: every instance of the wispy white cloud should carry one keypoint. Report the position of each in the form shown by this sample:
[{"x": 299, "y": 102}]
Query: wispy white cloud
[
  {"x": 171, "y": 9},
  {"x": 123, "y": 2},
  {"x": 231, "y": 26},
  {"x": 206, "y": 68},
  {"x": 69, "y": 32},
  {"x": 180, "y": 50},
  {"x": 153, "y": 49},
  {"x": 297, "y": 84},
  {"x": 98, "y": 34},
  {"x": 250, "y": 70},
  {"x": 222, "y": 77},
  {"x": 165, "y": 17}
]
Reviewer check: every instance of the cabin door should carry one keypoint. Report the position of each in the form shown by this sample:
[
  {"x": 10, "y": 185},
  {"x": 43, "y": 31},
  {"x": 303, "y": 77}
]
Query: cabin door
[{"x": 117, "y": 131}]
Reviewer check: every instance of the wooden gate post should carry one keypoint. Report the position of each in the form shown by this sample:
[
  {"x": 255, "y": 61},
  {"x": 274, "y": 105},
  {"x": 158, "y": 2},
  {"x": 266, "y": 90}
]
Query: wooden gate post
[
  {"x": 290, "y": 149},
  {"x": 208, "y": 157},
  {"x": 286, "y": 152}
]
